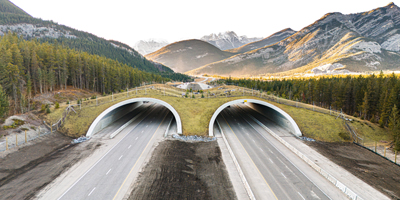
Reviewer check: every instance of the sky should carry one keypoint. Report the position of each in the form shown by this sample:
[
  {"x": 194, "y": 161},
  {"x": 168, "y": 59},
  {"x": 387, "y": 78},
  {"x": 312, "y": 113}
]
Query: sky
[{"x": 129, "y": 21}]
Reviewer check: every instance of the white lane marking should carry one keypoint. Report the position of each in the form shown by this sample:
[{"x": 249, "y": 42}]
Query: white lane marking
[
  {"x": 129, "y": 146},
  {"x": 142, "y": 131},
  {"x": 120, "y": 157},
  {"x": 270, "y": 160},
  {"x": 261, "y": 149},
  {"x": 301, "y": 196},
  {"x": 136, "y": 138},
  {"x": 91, "y": 191},
  {"x": 108, "y": 172},
  {"x": 283, "y": 175}
]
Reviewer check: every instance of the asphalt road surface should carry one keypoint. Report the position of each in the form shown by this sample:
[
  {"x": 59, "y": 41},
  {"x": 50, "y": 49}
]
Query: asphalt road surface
[
  {"x": 105, "y": 178},
  {"x": 269, "y": 173}
]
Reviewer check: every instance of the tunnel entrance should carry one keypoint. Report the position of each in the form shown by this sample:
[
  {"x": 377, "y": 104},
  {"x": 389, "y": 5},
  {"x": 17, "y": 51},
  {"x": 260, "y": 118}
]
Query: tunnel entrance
[
  {"x": 273, "y": 113},
  {"x": 121, "y": 109}
]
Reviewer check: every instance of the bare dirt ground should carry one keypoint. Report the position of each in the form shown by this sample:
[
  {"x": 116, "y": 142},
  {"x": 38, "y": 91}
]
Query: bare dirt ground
[
  {"x": 184, "y": 170},
  {"x": 366, "y": 165},
  {"x": 28, "y": 169}
]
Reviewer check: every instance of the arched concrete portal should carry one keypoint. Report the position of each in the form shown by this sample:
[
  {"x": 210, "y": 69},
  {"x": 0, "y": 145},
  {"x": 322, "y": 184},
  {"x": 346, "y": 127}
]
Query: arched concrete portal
[
  {"x": 294, "y": 128},
  {"x": 109, "y": 110}
]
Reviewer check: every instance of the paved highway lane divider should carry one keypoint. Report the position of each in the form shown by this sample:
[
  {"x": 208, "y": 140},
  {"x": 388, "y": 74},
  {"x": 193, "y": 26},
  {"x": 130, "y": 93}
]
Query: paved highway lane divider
[
  {"x": 333, "y": 180},
  {"x": 129, "y": 122},
  {"x": 244, "y": 180}
]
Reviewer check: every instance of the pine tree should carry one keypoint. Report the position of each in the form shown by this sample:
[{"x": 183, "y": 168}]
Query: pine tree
[
  {"x": 4, "y": 105},
  {"x": 365, "y": 106},
  {"x": 394, "y": 126}
]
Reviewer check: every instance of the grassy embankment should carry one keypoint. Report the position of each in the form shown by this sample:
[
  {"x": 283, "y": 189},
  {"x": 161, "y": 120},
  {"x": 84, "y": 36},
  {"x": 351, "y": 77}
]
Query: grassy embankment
[{"x": 196, "y": 113}]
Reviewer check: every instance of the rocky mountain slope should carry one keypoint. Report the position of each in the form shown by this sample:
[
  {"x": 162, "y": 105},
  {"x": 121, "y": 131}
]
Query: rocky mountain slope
[
  {"x": 341, "y": 43},
  {"x": 228, "y": 40},
  {"x": 149, "y": 46},
  {"x": 186, "y": 55},
  {"x": 18, "y": 21},
  {"x": 272, "y": 39}
]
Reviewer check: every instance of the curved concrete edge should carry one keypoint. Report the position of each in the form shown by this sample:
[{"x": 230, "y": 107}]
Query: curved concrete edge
[
  {"x": 129, "y": 101},
  {"x": 296, "y": 128}
]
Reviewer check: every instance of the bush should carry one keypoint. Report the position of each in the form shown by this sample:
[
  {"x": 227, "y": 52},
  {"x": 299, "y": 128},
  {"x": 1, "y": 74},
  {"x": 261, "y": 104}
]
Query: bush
[
  {"x": 57, "y": 105},
  {"x": 48, "y": 110},
  {"x": 43, "y": 108},
  {"x": 344, "y": 136},
  {"x": 94, "y": 97},
  {"x": 193, "y": 96},
  {"x": 68, "y": 102}
]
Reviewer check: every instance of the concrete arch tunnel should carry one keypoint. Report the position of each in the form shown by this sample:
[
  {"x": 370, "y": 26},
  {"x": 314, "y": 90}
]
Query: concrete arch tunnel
[
  {"x": 120, "y": 109},
  {"x": 276, "y": 114}
]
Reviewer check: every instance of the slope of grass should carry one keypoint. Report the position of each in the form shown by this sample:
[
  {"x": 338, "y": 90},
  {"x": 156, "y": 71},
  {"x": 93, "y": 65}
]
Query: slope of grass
[{"x": 196, "y": 114}]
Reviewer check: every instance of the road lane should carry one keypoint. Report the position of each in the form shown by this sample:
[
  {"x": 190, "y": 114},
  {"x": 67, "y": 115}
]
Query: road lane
[
  {"x": 284, "y": 179},
  {"x": 104, "y": 179}
]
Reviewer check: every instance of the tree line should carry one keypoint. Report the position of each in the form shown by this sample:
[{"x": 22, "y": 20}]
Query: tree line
[
  {"x": 28, "y": 67},
  {"x": 374, "y": 98},
  {"x": 93, "y": 45}
]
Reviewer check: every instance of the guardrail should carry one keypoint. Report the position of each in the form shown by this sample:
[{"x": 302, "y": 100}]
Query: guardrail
[{"x": 241, "y": 174}]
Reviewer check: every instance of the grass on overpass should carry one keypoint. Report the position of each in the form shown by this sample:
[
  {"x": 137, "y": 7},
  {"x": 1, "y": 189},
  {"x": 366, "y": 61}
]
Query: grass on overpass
[{"x": 196, "y": 114}]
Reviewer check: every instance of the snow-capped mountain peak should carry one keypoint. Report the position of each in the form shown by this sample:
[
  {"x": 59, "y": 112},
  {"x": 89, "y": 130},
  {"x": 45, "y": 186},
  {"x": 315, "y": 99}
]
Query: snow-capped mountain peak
[{"x": 227, "y": 40}]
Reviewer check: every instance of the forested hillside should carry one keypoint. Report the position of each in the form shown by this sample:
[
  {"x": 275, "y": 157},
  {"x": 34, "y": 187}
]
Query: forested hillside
[
  {"x": 15, "y": 19},
  {"x": 31, "y": 67},
  {"x": 374, "y": 98},
  {"x": 8, "y": 7}
]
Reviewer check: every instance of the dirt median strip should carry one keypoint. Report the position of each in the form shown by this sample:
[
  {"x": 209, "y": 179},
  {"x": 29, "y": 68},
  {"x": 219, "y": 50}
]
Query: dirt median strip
[
  {"x": 184, "y": 170},
  {"x": 378, "y": 172}
]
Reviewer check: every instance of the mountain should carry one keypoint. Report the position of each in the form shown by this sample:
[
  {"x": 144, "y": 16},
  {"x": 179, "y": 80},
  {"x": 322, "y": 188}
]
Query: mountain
[
  {"x": 18, "y": 21},
  {"x": 227, "y": 40},
  {"x": 186, "y": 55},
  {"x": 149, "y": 46},
  {"x": 336, "y": 43},
  {"x": 272, "y": 39},
  {"x": 8, "y": 7}
]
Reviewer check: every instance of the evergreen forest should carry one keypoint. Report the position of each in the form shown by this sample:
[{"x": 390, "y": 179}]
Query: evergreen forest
[{"x": 30, "y": 67}]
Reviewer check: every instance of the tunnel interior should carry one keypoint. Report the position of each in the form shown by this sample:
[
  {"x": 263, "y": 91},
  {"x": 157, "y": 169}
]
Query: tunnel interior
[
  {"x": 126, "y": 110},
  {"x": 115, "y": 115},
  {"x": 257, "y": 108},
  {"x": 273, "y": 115}
]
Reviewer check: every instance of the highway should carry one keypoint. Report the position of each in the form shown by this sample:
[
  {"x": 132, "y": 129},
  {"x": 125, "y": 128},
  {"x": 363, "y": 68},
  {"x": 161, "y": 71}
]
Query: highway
[
  {"x": 269, "y": 173},
  {"x": 106, "y": 177}
]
